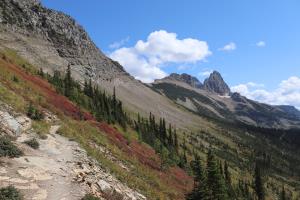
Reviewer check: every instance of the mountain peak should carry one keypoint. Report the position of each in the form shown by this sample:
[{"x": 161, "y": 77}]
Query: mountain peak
[
  {"x": 216, "y": 84},
  {"x": 185, "y": 78}
]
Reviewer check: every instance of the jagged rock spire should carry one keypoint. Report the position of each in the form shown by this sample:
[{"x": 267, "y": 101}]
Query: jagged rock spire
[{"x": 216, "y": 84}]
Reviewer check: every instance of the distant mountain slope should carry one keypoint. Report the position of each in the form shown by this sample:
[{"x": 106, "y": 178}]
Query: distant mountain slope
[{"x": 208, "y": 101}]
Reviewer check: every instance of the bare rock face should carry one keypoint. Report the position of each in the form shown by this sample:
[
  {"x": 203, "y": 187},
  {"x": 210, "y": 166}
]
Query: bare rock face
[
  {"x": 11, "y": 124},
  {"x": 185, "y": 78},
  {"x": 70, "y": 40},
  {"x": 216, "y": 84}
]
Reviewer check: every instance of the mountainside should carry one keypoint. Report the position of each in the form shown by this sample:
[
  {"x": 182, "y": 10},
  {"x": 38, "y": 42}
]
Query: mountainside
[
  {"x": 53, "y": 40},
  {"x": 210, "y": 101},
  {"x": 141, "y": 140},
  {"x": 53, "y": 148}
]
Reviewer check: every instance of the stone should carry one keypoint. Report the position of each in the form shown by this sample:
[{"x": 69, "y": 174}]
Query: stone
[
  {"x": 104, "y": 186},
  {"x": 10, "y": 124}
]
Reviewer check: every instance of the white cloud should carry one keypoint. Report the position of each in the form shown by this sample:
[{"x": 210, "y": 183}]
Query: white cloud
[
  {"x": 261, "y": 44},
  {"x": 287, "y": 93},
  {"x": 137, "y": 65},
  {"x": 146, "y": 58},
  {"x": 118, "y": 44},
  {"x": 205, "y": 73},
  {"x": 228, "y": 47}
]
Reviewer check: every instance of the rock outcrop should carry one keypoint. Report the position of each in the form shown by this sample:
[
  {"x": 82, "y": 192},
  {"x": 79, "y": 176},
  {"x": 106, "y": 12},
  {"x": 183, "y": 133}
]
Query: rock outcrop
[
  {"x": 69, "y": 40},
  {"x": 216, "y": 84},
  {"x": 186, "y": 78}
]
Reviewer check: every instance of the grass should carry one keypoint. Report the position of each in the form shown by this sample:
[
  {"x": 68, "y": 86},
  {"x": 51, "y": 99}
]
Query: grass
[
  {"x": 8, "y": 149},
  {"x": 13, "y": 57},
  {"x": 41, "y": 128},
  {"x": 10, "y": 193}
]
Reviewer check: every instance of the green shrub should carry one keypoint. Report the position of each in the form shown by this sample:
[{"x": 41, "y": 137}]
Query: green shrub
[
  {"x": 90, "y": 197},
  {"x": 15, "y": 79},
  {"x": 33, "y": 143},
  {"x": 34, "y": 113},
  {"x": 10, "y": 193},
  {"x": 7, "y": 148}
]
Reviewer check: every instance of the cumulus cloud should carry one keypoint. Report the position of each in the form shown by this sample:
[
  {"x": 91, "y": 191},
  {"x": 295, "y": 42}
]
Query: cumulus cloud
[
  {"x": 146, "y": 58},
  {"x": 205, "y": 73},
  {"x": 287, "y": 93},
  {"x": 261, "y": 44},
  {"x": 228, "y": 47},
  {"x": 118, "y": 44},
  {"x": 137, "y": 65}
]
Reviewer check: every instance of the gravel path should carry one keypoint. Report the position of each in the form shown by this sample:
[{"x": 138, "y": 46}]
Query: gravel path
[{"x": 45, "y": 173}]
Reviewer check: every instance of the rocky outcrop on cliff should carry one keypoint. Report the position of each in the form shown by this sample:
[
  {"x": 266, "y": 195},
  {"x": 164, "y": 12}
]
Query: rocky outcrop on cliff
[{"x": 67, "y": 38}]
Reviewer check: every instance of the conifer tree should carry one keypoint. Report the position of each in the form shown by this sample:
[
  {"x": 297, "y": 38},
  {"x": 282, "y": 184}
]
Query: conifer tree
[
  {"x": 259, "y": 185},
  {"x": 200, "y": 188},
  {"x": 170, "y": 136},
  {"x": 227, "y": 176},
  {"x": 68, "y": 83},
  {"x": 176, "y": 140},
  {"x": 283, "y": 194},
  {"x": 215, "y": 180},
  {"x": 227, "y": 173}
]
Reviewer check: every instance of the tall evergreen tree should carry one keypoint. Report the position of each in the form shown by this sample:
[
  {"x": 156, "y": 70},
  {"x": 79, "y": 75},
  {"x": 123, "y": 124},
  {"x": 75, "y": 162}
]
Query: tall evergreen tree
[
  {"x": 200, "y": 188},
  {"x": 176, "y": 140},
  {"x": 215, "y": 181},
  {"x": 259, "y": 185},
  {"x": 68, "y": 83},
  {"x": 283, "y": 194},
  {"x": 227, "y": 173}
]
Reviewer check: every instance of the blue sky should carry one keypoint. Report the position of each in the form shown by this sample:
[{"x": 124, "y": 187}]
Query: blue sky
[{"x": 266, "y": 36}]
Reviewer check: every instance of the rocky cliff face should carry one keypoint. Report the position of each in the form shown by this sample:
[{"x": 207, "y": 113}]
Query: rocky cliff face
[
  {"x": 185, "y": 78},
  {"x": 216, "y": 84},
  {"x": 69, "y": 40}
]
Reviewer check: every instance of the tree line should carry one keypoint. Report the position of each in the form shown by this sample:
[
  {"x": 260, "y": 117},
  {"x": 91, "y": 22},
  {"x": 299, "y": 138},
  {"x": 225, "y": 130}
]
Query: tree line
[
  {"x": 108, "y": 108},
  {"x": 164, "y": 140},
  {"x": 103, "y": 106},
  {"x": 213, "y": 181}
]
